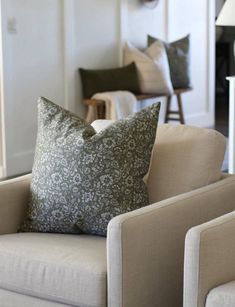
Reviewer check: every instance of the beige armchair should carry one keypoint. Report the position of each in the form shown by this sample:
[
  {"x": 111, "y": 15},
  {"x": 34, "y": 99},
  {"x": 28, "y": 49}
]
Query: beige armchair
[
  {"x": 141, "y": 261},
  {"x": 210, "y": 264}
]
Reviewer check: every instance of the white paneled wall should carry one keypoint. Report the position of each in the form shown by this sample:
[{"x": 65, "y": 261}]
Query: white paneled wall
[
  {"x": 45, "y": 41},
  {"x": 92, "y": 33},
  {"x": 171, "y": 20},
  {"x": 198, "y": 19},
  {"x": 32, "y": 66},
  {"x": 143, "y": 21}
]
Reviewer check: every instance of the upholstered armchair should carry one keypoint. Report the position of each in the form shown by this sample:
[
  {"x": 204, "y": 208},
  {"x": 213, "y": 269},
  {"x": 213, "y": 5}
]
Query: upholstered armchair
[
  {"x": 210, "y": 264},
  {"x": 141, "y": 261}
]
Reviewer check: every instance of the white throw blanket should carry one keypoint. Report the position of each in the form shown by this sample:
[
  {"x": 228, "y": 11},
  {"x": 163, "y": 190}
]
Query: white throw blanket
[{"x": 118, "y": 104}]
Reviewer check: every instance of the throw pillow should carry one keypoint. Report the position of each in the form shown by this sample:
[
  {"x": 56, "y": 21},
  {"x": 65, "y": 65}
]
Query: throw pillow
[
  {"x": 106, "y": 80},
  {"x": 178, "y": 53},
  {"x": 82, "y": 179},
  {"x": 153, "y": 68}
]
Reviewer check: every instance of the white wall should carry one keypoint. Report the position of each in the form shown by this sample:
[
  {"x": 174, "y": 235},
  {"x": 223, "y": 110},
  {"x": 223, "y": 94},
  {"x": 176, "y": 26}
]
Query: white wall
[
  {"x": 92, "y": 40},
  {"x": 54, "y": 38},
  {"x": 32, "y": 67},
  {"x": 171, "y": 20},
  {"x": 41, "y": 57},
  {"x": 143, "y": 21}
]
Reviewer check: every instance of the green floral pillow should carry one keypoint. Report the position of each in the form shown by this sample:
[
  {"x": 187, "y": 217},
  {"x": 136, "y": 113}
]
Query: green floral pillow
[{"x": 82, "y": 179}]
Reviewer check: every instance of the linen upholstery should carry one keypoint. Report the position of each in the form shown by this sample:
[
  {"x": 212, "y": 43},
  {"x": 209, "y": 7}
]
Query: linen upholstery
[
  {"x": 61, "y": 268},
  {"x": 82, "y": 179},
  {"x": 178, "y": 53},
  {"x": 13, "y": 299},
  {"x": 146, "y": 246},
  {"x": 162, "y": 225},
  {"x": 184, "y": 158},
  {"x": 14, "y": 194},
  {"x": 222, "y": 296},
  {"x": 153, "y": 68},
  {"x": 209, "y": 258}
]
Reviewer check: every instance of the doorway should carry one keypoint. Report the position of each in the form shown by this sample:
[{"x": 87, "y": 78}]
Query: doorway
[{"x": 225, "y": 66}]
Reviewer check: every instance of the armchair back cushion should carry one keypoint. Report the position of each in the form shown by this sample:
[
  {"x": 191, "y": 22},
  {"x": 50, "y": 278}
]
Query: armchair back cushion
[{"x": 184, "y": 158}]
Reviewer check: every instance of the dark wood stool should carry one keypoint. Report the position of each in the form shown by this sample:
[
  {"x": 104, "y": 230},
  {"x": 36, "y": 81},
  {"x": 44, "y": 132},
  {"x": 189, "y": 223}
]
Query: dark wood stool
[{"x": 98, "y": 106}]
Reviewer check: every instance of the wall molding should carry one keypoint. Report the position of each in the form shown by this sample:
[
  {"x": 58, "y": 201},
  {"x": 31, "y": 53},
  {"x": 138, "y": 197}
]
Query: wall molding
[
  {"x": 65, "y": 7},
  {"x": 167, "y": 24},
  {"x": 123, "y": 27},
  {"x": 2, "y": 173},
  {"x": 2, "y": 97}
]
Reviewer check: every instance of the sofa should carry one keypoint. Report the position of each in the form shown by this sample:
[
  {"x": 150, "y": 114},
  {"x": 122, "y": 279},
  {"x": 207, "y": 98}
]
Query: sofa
[
  {"x": 210, "y": 264},
  {"x": 141, "y": 261}
]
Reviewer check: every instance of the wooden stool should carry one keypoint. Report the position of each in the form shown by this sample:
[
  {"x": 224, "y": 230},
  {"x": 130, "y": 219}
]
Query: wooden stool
[
  {"x": 98, "y": 106},
  {"x": 178, "y": 112}
]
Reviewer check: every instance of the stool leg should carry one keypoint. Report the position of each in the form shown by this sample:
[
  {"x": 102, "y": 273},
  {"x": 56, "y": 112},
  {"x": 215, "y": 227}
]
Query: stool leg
[
  {"x": 181, "y": 114},
  {"x": 168, "y": 106},
  {"x": 91, "y": 114}
]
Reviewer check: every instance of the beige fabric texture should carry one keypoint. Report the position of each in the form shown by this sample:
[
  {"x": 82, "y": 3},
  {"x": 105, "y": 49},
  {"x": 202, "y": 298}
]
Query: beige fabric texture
[
  {"x": 14, "y": 196},
  {"x": 209, "y": 258},
  {"x": 146, "y": 247},
  {"x": 153, "y": 68},
  {"x": 222, "y": 296},
  {"x": 62, "y": 268},
  {"x": 118, "y": 104},
  {"x": 13, "y": 299},
  {"x": 184, "y": 158},
  {"x": 155, "y": 265}
]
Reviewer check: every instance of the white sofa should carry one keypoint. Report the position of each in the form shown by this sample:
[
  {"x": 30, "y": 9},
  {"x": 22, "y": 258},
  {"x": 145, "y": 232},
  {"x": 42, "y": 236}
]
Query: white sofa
[{"x": 141, "y": 261}]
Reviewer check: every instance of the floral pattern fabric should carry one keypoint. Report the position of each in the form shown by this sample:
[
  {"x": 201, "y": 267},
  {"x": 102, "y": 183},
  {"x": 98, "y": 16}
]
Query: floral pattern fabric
[{"x": 82, "y": 179}]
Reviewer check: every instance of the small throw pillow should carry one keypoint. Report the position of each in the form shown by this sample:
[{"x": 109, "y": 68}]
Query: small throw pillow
[
  {"x": 153, "y": 68},
  {"x": 107, "y": 80},
  {"x": 178, "y": 53},
  {"x": 82, "y": 179}
]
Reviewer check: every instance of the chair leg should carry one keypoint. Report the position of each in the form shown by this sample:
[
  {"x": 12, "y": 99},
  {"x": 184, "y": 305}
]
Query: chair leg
[
  {"x": 181, "y": 114},
  {"x": 168, "y": 106},
  {"x": 102, "y": 111},
  {"x": 92, "y": 113}
]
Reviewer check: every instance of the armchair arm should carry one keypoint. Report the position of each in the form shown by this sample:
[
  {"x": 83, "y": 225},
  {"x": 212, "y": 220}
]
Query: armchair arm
[
  {"x": 145, "y": 248},
  {"x": 14, "y": 195},
  {"x": 209, "y": 258}
]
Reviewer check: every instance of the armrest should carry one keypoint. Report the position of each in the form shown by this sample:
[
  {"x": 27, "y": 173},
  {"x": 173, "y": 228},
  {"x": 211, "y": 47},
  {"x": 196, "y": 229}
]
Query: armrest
[
  {"x": 145, "y": 248},
  {"x": 14, "y": 196},
  {"x": 209, "y": 258}
]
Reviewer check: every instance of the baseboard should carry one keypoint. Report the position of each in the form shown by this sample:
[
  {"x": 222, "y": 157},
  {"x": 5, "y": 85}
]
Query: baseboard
[{"x": 203, "y": 120}]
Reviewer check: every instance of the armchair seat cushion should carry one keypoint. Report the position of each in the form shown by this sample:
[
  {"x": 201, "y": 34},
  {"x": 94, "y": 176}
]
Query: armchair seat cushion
[
  {"x": 68, "y": 269},
  {"x": 222, "y": 296}
]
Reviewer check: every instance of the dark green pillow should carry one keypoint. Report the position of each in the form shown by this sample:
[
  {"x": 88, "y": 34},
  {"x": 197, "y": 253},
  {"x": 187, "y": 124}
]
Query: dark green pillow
[
  {"x": 178, "y": 53},
  {"x": 82, "y": 179},
  {"x": 105, "y": 80}
]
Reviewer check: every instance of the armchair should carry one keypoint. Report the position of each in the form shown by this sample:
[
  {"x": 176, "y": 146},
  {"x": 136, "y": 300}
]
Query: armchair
[
  {"x": 210, "y": 264},
  {"x": 141, "y": 261}
]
